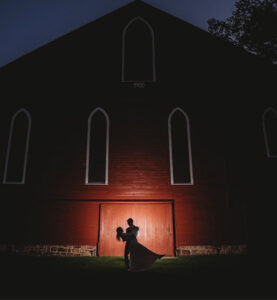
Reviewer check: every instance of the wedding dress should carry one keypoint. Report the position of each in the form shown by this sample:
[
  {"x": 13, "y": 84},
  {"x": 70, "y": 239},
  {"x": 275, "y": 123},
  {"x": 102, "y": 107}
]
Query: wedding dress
[{"x": 141, "y": 258}]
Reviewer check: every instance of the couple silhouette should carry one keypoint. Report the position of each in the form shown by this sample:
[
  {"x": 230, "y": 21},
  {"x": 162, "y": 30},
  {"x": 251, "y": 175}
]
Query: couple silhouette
[{"x": 141, "y": 258}]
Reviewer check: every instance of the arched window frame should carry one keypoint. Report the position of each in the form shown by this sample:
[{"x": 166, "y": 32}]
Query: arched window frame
[
  {"x": 170, "y": 148},
  {"x": 269, "y": 155},
  {"x": 153, "y": 49},
  {"x": 88, "y": 147},
  {"x": 22, "y": 110}
]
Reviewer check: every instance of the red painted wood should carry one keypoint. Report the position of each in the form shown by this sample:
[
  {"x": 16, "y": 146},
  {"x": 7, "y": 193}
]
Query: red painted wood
[
  {"x": 154, "y": 221},
  {"x": 70, "y": 223}
]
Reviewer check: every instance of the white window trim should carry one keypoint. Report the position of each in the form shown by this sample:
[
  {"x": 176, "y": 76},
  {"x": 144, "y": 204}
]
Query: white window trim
[
  {"x": 22, "y": 110},
  {"x": 265, "y": 132},
  {"x": 88, "y": 147},
  {"x": 170, "y": 148},
  {"x": 153, "y": 50}
]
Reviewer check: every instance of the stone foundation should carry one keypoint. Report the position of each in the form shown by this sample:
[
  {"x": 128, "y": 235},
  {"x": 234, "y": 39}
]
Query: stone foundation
[
  {"x": 211, "y": 250},
  {"x": 85, "y": 250},
  {"x": 49, "y": 250}
]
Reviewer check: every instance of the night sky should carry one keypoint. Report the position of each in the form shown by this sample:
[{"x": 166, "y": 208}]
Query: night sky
[{"x": 28, "y": 24}]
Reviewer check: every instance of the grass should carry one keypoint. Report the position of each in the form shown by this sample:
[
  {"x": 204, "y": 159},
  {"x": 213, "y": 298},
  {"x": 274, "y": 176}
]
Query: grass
[{"x": 106, "y": 277}]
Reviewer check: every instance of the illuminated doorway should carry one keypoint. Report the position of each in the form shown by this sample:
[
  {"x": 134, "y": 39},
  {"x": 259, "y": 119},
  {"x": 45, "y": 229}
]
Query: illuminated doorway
[{"x": 155, "y": 222}]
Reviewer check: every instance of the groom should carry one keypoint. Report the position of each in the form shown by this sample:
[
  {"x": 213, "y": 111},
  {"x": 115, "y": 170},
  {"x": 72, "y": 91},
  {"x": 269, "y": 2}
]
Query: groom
[{"x": 130, "y": 229}]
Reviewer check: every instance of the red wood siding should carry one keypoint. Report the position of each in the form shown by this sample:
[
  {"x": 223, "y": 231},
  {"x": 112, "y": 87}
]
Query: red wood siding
[
  {"x": 138, "y": 170},
  {"x": 70, "y": 223}
]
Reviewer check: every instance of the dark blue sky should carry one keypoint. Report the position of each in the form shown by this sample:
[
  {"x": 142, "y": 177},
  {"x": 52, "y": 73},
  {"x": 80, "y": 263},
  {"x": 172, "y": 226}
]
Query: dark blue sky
[{"x": 28, "y": 24}]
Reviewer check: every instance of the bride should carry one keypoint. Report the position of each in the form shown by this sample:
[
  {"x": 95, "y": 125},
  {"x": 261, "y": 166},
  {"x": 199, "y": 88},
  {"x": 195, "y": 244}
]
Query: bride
[{"x": 141, "y": 257}]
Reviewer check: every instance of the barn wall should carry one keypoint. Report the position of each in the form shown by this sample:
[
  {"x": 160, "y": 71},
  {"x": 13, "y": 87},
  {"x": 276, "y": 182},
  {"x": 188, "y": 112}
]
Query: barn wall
[{"x": 138, "y": 169}]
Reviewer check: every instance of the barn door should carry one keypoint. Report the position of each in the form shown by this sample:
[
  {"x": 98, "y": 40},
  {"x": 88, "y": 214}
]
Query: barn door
[{"x": 155, "y": 224}]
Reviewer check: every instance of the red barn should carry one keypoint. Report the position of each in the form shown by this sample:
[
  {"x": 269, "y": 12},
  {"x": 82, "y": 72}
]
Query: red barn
[{"x": 137, "y": 114}]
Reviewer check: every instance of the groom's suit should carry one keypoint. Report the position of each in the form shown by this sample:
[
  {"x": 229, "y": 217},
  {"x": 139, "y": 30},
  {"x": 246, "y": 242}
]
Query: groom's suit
[{"x": 127, "y": 245}]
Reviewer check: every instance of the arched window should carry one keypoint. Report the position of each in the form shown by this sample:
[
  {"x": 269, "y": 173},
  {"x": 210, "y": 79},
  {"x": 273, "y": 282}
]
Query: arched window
[
  {"x": 270, "y": 132},
  {"x": 17, "y": 150},
  {"x": 180, "y": 148},
  {"x": 138, "y": 51},
  {"x": 97, "y": 147}
]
